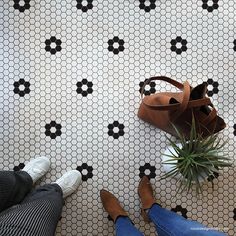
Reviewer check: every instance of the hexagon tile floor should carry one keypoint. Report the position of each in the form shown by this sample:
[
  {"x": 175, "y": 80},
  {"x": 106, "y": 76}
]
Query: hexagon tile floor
[{"x": 70, "y": 78}]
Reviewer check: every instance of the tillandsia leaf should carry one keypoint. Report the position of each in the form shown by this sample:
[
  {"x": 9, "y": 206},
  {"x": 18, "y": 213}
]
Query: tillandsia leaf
[
  {"x": 198, "y": 188},
  {"x": 183, "y": 169},
  {"x": 223, "y": 164},
  {"x": 197, "y": 145},
  {"x": 217, "y": 144},
  {"x": 219, "y": 161},
  {"x": 180, "y": 136},
  {"x": 174, "y": 175},
  {"x": 196, "y": 177},
  {"x": 176, "y": 151},
  {"x": 174, "y": 160},
  {"x": 212, "y": 184},
  {"x": 225, "y": 158},
  {"x": 185, "y": 173},
  {"x": 193, "y": 155},
  {"x": 186, "y": 186},
  {"x": 201, "y": 164},
  {"x": 193, "y": 133},
  {"x": 213, "y": 169},
  {"x": 204, "y": 146},
  {"x": 172, "y": 157},
  {"x": 173, "y": 144},
  {"x": 171, "y": 173},
  {"x": 227, "y": 165},
  {"x": 220, "y": 147},
  {"x": 202, "y": 172},
  {"x": 209, "y": 149},
  {"x": 170, "y": 163},
  {"x": 189, "y": 183},
  {"x": 210, "y": 137},
  {"x": 181, "y": 185}
]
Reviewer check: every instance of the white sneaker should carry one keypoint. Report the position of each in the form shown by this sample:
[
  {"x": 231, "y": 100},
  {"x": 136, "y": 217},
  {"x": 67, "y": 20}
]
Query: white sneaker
[
  {"x": 37, "y": 167},
  {"x": 69, "y": 182}
]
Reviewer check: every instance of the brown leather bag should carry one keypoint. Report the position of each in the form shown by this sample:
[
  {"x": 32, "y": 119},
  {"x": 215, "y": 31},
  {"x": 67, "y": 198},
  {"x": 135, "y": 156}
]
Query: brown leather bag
[{"x": 166, "y": 109}]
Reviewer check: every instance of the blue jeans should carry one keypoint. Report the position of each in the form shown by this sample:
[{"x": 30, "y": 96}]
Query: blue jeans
[{"x": 167, "y": 223}]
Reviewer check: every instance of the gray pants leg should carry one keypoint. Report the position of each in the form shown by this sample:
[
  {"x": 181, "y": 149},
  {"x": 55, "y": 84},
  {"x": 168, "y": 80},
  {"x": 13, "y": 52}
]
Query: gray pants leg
[
  {"x": 14, "y": 186},
  {"x": 37, "y": 215}
]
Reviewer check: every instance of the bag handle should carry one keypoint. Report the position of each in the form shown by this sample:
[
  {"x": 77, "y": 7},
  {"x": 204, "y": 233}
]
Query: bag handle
[
  {"x": 212, "y": 115},
  {"x": 178, "y": 107},
  {"x": 173, "y": 107},
  {"x": 162, "y": 78},
  {"x": 184, "y": 102}
]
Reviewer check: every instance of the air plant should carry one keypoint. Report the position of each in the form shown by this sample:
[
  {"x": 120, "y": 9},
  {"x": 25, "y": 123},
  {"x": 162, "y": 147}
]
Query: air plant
[{"x": 194, "y": 159}]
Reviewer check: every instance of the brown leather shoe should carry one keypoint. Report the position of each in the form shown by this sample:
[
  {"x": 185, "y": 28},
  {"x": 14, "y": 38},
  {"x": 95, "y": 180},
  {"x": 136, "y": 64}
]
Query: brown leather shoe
[
  {"x": 112, "y": 205},
  {"x": 145, "y": 193}
]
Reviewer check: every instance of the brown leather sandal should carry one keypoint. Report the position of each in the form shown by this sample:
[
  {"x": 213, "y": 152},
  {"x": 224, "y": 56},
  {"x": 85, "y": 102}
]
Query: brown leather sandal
[{"x": 166, "y": 109}]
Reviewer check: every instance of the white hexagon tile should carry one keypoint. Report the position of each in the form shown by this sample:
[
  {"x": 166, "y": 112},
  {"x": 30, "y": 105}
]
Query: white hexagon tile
[{"x": 70, "y": 79}]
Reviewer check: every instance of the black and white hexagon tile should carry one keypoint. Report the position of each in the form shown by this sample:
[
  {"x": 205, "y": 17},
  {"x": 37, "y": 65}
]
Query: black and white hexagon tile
[{"x": 70, "y": 80}]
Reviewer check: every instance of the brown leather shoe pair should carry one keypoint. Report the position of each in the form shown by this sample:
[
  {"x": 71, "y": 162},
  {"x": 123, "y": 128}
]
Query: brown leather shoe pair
[
  {"x": 166, "y": 109},
  {"x": 113, "y": 207}
]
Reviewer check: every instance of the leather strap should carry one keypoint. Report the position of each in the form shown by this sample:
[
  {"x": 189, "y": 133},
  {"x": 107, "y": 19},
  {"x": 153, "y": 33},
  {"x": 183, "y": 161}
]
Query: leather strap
[
  {"x": 212, "y": 115},
  {"x": 173, "y": 107},
  {"x": 184, "y": 102},
  {"x": 162, "y": 78}
]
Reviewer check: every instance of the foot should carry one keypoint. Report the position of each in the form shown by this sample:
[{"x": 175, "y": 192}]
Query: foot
[
  {"x": 69, "y": 182},
  {"x": 145, "y": 193},
  {"x": 112, "y": 205},
  {"x": 37, "y": 168}
]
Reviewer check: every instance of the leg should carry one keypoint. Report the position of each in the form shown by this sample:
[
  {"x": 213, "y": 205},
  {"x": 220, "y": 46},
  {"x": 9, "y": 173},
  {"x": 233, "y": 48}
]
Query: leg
[
  {"x": 40, "y": 211},
  {"x": 13, "y": 187},
  {"x": 169, "y": 223},
  {"x": 37, "y": 215},
  {"x": 125, "y": 227},
  {"x": 123, "y": 224}
]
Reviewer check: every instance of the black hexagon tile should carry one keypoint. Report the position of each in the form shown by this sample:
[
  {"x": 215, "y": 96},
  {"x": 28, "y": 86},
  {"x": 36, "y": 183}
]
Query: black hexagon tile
[
  {"x": 19, "y": 167},
  {"x": 116, "y": 45},
  {"x": 86, "y": 171},
  {"x": 234, "y": 129},
  {"x": 21, "y": 5},
  {"x": 84, "y": 5},
  {"x": 53, "y": 129},
  {"x": 178, "y": 45},
  {"x": 147, "y": 5},
  {"x": 53, "y": 45},
  {"x": 181, "y": 210},
  {"x": 212, "y": 87},
  {"x": 116, "y": 129},
  {"x": 235, "y": 45},
  {"x": 84, "y": 87},
  {"x": 21, "y": 87},
  {"x": 109, "y": 218},
  {"x": 149, "y": 88},
  {"x": 210, "y": 5},
  {"x": 147, "y": 170}
]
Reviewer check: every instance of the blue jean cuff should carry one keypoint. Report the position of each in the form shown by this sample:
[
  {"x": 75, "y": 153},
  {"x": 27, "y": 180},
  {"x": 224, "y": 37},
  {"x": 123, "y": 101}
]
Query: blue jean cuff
[
  {"x": 118, "y": 217},
  {"x": 154, "y": 204}
]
